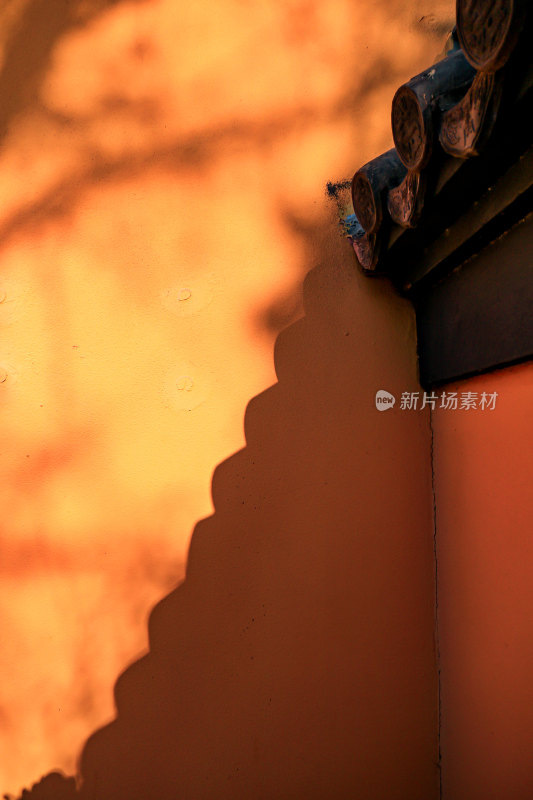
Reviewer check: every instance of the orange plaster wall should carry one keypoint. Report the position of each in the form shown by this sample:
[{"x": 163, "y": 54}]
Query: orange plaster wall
[
  {"x": 484, "y": 495},
  {"x": 162, "y": 184},
  {"x": 297, "y": 658}
]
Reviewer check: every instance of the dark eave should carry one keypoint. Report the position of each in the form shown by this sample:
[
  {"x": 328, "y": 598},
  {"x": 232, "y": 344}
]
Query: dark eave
[
  {"x": 447, "y": 214},
  {"x": 462, "y": 152}
]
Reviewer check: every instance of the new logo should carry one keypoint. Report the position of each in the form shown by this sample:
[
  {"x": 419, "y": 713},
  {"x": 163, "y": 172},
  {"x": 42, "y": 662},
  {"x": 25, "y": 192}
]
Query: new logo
[{"x": 384, "y": 400}]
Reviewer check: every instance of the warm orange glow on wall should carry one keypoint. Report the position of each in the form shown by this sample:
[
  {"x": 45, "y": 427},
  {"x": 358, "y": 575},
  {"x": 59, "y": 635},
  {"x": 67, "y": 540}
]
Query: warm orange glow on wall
[
  {"x": 160, "y": 172},
  {"x": 484, "y": 512}
]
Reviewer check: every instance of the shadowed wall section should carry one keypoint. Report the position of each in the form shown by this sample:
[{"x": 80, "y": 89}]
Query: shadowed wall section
[
  {"x": 296, "y": 659},
  {"x": 484, "y": 513}
]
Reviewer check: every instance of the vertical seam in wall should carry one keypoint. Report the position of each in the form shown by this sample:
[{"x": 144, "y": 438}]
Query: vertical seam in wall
[{"x": 437, "y": 638}]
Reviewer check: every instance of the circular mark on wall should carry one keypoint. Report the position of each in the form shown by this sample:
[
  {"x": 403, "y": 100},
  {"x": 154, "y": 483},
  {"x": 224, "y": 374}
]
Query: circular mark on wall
[
  {"x": 187, "y": 386},
  {"x": 190, "y": 295}
]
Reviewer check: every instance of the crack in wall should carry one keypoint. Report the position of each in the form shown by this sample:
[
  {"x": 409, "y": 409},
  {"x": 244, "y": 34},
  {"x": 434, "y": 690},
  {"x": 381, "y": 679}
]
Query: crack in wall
[{"x": 437, "y": 637}]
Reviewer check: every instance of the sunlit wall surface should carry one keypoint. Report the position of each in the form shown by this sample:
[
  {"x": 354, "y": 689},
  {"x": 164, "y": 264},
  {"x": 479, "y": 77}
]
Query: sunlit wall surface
[{"x": 161, "y": 167}]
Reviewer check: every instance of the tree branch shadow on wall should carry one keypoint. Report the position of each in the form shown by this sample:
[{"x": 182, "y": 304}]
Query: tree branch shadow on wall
[
  {"x": 296, "y": 659},
  {"x": 35, "y": 29}
]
